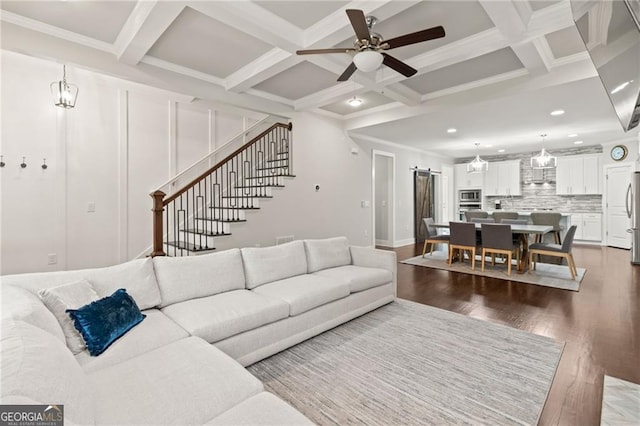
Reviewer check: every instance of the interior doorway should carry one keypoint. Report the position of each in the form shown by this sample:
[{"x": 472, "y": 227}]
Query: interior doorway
[
  {"x": 383, "y": 183},
  {"x": 618, "y": 179}
]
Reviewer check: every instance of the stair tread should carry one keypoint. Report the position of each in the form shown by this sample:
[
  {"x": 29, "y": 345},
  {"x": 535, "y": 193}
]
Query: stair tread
[
  {"x": 210, "y": 219},
  {"x": 246, "y": 196},
  {"x": 183, "y": 245},
  {"x": 268, "y": 177},
  {"x": 285, "y": 166},
  {"x": 233, "y": 208},
  {"x": 278, "y": 159},
  {"x": 208, "y": 234},
  {"x": 260, "y": 186}
]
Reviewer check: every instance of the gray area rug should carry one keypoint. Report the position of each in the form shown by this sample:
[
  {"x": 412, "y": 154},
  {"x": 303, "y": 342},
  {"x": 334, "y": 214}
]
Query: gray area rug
[
  {"x": 546, "y": 274},
  {"x": 412, "y": 364}
]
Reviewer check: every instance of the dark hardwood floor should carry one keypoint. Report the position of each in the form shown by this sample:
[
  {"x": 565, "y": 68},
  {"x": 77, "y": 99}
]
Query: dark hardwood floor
[{"x": 600, "y": 324}]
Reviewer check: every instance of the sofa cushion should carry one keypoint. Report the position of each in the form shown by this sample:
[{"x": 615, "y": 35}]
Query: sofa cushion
[
  {"x": 155, "y": 331},
  {"x": 358, "y": 277},
  {"x": 190, "y": 277},
  {"x": 21, "y": 305},
  {"x": 327, "y": 253},
  {"x": 217, "y": 317},
  {"x": 266, "y": 264},
  {"x": 136, "y": 276},
  {"x": 104, "y": 321},
  {"x": 69, "y": 296},
  {"x": 185, "y": 382},
  {"x": 305, "y": 292},
  {"x": 262, "y": 409},
  {"x": 36, "y": 365}
]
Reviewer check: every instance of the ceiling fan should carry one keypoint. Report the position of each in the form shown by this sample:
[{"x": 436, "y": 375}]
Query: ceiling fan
[{"x": 370, "y": 46}]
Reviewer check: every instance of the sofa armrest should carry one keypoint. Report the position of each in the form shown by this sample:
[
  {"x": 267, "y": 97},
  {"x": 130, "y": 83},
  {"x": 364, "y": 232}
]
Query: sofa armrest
[{"x": 376, "y": 258}]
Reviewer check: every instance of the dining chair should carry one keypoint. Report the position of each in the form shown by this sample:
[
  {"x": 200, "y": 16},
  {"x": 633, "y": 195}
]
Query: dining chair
[
  {"x": 462, "y": 236},
  {"x": 548, "y": 219},
  {"x": 475, "y": 213},
  {"x": 500, "y": 216},
  {"x": 432, "y": 236},
  {"x": 519, "y": 239},
  {"x": 497, "y": 239},
  {"x": 482, "y": 220},
  {"x": 563, "y": 251}
]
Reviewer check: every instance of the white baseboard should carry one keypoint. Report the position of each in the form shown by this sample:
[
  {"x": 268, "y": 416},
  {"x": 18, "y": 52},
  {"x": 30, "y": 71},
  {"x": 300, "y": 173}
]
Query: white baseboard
[{"x": 405, "y": 242}]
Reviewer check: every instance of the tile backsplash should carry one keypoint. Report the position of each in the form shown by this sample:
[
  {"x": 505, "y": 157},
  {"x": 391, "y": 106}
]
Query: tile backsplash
[{"x": 543, "y": 195}]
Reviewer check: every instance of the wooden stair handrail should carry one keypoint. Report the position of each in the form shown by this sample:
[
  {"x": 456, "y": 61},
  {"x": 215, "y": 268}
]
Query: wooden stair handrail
[
  {"x": 159, "y": 203},
  {"x": 221, "y": 162}
]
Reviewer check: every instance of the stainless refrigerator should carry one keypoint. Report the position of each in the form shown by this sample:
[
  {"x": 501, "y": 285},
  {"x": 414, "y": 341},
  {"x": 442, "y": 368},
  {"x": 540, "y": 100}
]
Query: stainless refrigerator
[{"x": 633, "y": 210}]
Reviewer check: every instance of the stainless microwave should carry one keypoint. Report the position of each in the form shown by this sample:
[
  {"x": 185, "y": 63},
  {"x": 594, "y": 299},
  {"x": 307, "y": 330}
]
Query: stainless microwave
[{"x": 469, "y": 195}]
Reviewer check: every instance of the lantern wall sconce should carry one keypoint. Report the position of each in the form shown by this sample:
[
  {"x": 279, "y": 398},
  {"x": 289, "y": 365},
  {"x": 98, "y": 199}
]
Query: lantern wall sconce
[{"x": 64, "y": 94}]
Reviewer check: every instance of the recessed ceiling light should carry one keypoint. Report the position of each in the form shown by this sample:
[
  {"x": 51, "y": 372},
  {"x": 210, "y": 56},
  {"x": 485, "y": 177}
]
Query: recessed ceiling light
[
  {"x": 355, "y": 102},
  {"x": 578, "y": 142},
  {"x": 572, "y": 135},
  {"x": 501, "y": 150},
  {"x": 452, "y": 130},
  {"x": 557, "y": 112},
  {"x": 489, "y": 146}
]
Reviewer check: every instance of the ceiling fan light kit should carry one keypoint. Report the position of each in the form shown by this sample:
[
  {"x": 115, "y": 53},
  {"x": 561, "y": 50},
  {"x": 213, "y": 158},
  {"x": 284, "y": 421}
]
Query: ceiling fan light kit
[
  {"x": 369, "y": 46},
  {"x": 368, "y": 60}
]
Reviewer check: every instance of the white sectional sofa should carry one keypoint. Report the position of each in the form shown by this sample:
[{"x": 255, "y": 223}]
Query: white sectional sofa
[{"x": 206, "y": 317}]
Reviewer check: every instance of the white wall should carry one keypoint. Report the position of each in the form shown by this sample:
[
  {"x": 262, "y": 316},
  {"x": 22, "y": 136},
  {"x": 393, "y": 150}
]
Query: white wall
[
  {"x": 405, "y": 159},
  {"x": 123, "y": 140},
  {"x": 120, "y": 142}
]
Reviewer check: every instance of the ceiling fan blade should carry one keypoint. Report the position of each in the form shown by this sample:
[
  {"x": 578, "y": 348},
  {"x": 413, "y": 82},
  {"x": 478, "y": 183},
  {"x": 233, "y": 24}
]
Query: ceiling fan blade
[
  {"x": 417, "y": 37},
  {"x": 348, "y": 72},
  {"x": 316, "y": 51},
  {"x": 398, "y": 65},
  {"x": 359, "y": 23}
]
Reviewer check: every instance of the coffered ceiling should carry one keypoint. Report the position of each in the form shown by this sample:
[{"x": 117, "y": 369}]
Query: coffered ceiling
[{"x": 501, "y": 68}]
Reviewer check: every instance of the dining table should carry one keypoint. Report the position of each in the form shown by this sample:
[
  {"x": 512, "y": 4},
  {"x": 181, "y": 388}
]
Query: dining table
[{"x": 522, "y": 230}]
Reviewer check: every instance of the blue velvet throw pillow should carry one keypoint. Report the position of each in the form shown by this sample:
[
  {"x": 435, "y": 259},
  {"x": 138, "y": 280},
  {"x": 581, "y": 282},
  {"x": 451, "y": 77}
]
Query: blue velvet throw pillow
[{"x": 106, "y": 320}]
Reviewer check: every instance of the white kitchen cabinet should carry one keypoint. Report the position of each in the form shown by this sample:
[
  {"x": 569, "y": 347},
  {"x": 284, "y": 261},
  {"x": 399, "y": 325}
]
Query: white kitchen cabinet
[
  {"x": 589, "y": 226},
  {"x": 579, "y": 174},
  {"x": 592, "y": 226},
  {"x": 503, "y": 178},
  {"x": 467, "y": 180}
]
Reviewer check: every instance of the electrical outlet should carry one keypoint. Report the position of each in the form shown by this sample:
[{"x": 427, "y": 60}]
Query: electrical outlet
[
  {"x": 52, "y": 258},
  {"x": 91, "y": 207},
  {"x": 366, "y": 233}
]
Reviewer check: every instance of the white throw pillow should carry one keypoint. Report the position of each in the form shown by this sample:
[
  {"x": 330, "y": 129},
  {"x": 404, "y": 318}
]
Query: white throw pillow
[
  {"x": 327, "y": 253},
  {"x": 69, "y": 296}
]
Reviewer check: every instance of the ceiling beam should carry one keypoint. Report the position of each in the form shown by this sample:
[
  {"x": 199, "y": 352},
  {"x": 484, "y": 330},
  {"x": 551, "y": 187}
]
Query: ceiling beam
[
  {"x": 148, "y": 21},
  {"x": 561, "y": 74}
]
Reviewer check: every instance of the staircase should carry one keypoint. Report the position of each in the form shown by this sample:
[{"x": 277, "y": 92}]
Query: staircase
[{"x": 191, "y": 213}]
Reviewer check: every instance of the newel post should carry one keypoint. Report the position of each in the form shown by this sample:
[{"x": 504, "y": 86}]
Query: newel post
[{"x": 158, "y": 208}]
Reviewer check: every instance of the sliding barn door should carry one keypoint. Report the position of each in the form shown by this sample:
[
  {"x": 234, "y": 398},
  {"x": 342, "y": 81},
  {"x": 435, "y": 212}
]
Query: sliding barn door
[{"x": 423, "y": 201}]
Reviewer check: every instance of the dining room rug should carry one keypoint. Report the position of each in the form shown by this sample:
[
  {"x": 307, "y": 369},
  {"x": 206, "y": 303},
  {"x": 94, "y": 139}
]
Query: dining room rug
[
  {"x": 545, "y": 274},
  {"x": 411, "y": 364}
]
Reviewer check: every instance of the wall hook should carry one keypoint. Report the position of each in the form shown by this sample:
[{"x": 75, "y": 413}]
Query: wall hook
[
  {"x": 44, "y": 164},
  {"x": 2, "y": 163},
  {"x": 23, "y": 164}
]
